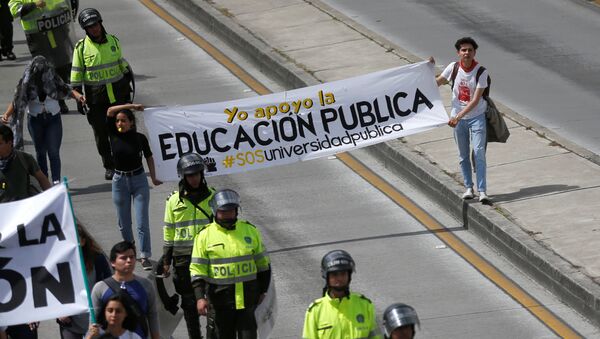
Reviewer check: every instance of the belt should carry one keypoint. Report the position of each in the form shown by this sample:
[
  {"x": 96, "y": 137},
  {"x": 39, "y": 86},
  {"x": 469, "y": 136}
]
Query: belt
[
  {"x": 131, "y": 173},
  {"x": 43, "y": 115}
]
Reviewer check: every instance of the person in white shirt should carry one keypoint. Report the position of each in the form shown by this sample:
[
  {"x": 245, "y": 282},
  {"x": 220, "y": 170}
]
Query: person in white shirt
[
  {"x": 115, "y": 319},
  {"x": 38, "y": 93},
  {"x": 468, "y": 114}
]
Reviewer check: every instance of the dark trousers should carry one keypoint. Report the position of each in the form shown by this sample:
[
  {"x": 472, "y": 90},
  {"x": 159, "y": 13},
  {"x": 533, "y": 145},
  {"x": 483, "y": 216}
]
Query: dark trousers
[
  {"x": 21, "y": 332},
  {"x": 231, "y": 323},
  {"x": 46, "y": 132},
  {"x": 96, "y": 117},
  {"x": 6, "y": 29},
  {"x": 183, "y": 287}
]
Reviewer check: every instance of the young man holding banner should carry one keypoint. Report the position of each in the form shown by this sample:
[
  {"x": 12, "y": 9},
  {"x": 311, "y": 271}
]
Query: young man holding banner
[
  {"x": 141, "y": 291},
  {"x": 469, "y": 83}
]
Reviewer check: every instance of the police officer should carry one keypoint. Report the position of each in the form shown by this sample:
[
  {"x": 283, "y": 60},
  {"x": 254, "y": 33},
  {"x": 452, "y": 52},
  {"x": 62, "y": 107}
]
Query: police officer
[
  {"x": 399, "y": 321},
  {"x": 230, "y": 270},
  {"x": 187, "y": 211},
  {"x": 100, "y": 70},
  {"x": 339, "y": 313},
  {"x": 47, "y": 24}
]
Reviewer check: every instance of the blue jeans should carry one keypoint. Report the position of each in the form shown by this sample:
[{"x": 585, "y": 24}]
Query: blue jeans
[
  {"x": 124, "y": 190},
  {"x": 472, "y": 132},
  {"x": 46, "y": 133}
]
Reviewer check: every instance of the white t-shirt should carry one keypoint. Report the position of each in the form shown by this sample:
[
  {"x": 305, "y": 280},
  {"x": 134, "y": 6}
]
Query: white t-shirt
[{"x": 464, "y": 89}]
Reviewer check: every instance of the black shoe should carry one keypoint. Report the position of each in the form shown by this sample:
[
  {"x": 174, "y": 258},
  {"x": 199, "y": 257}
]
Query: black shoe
[
  {"x": 108, "y": 175},
  {"x": 64, "y": 109},
  {"x": 11, "y": 56},
  {"x": 146, "y": 264}
]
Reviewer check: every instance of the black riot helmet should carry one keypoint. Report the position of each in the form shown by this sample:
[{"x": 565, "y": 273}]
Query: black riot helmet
[
  {"x": 335, "y": 261},
  {"x": 399, "y": 315},
  {"x": 190, "y": 163},
  {"x": 89, "y": 17}
]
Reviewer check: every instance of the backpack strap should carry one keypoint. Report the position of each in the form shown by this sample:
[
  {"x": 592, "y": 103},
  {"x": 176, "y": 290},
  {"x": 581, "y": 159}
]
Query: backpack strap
[
  {"x": 486, "y": 92},
  {"x": 112, "y": 284},
  {"x": 454, "y": 73}
]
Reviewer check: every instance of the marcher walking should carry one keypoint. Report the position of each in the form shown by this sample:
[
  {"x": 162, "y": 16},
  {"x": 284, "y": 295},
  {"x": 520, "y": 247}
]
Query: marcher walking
[
  {"x": 47, "y": 25},
  {"x": 140, "y": 290},
  {"x": 129, "y": 183},
  {"x": 468, "y": 114},
  {"x": 339, "y": 313},
  {"x": 15, "y": 169},
  {"x": 230, "y": 271},
  {"x": 187, "y": 211},
  {"x": 96, "y": 269},
  {"x": 38, "y": 93},
  {"x": 100, "y": 71}
]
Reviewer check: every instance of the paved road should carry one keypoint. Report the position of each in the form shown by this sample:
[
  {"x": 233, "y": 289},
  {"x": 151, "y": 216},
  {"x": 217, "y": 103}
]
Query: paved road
[
  {"x": 303, "y": 210},
  {"x": 542, "y": 54}
]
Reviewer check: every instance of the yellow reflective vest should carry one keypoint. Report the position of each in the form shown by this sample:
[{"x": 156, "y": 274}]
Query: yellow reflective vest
[
  {"x": 350, "y": 317},
  {"x": 56, "y": 14},
  {"x": 229, "y": 257},
  {"x": 183, "y": 221},
  {"x": 98, "y": 64}
]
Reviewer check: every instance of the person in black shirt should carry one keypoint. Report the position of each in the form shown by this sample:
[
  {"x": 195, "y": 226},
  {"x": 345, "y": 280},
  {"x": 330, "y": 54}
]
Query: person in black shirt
[{"x": 129, "y": 181}]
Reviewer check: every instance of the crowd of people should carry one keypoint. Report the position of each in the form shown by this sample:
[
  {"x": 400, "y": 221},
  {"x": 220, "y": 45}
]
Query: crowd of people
[{"x": 224, "y": 283}]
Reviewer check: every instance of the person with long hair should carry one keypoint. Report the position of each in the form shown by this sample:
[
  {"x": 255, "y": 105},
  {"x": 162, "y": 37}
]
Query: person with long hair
[
  {"x": 115, "y": 318},
  {"x": 38, "y": 93},
  {"x": 97, "y": 269},
  {"x": 129, "y": 181}
]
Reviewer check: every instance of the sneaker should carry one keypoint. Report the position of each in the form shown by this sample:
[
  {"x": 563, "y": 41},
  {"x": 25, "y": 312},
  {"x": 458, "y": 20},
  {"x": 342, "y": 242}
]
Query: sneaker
[
  {"x": 468, "y": 194},
  {"x": 483, "y": 198},
  {"x": 146, "y": 264},
  {"x": 11, "y": 56},
  {"x": 108, "y": 175}
]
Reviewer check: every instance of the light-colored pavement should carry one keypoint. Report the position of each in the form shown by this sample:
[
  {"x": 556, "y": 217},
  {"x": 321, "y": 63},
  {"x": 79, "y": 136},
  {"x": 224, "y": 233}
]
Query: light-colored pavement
[{"x": 545, "y": 215}]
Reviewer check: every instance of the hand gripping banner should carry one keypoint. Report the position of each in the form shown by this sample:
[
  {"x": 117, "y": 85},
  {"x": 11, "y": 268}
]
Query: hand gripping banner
[
  {"x": 40, "y": 269},
  {"x": 302, "y": 124}
]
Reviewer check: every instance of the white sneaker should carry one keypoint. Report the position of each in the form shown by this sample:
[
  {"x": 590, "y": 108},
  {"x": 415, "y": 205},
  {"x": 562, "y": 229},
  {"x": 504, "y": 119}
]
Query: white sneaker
[
  {"x": 468, "y": 194},
  {"x": 483, "y": 197}
]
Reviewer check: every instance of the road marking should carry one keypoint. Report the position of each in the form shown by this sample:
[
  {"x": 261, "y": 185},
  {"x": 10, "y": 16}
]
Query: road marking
[{"x": 553, "y": 322}]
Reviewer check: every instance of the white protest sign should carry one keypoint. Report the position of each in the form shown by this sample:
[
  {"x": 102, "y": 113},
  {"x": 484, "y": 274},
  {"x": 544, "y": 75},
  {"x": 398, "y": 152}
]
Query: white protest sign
[
  {"x": 302, "y": 124},
  {"x": 266, "y": 312},
  {"x": 40, "y": 270}
]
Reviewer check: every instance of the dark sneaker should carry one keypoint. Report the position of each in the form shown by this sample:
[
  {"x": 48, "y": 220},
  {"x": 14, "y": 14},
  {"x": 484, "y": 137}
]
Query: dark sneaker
[
  {"x": 108, "y": 175},
  {"x": 11, "y": 56},
  {"x": 146, "y": 264}
]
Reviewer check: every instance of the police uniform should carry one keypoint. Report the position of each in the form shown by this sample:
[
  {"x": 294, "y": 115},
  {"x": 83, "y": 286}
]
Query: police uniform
[
  {"x": 183, "y": 220},
  {"x": 231, "y": 269},
  {"x": 349, "y": 317},
  {"x": 101, "y": 70},
  {"x": 47, "y": 31}
]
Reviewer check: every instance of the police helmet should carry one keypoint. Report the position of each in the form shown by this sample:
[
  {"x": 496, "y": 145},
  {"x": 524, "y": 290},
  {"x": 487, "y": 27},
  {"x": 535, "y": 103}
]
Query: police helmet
[
  {"x": 190, "y": 163},
  {"x": 335, "y": 261},
  {"x": 89, "y": 17},
  {"x": 224, "y": 200},
  {"x": 398, "y": 315}
]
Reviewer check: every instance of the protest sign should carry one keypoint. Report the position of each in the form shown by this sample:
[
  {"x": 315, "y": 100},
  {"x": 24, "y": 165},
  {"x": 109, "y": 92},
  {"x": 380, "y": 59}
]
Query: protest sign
[
  {"x": 297, "y": 125},
  {"x": 40, "y": 269}
]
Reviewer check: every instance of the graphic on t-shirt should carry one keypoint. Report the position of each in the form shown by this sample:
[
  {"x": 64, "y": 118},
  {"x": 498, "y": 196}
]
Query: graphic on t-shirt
[{"x": 464, "y": 94}]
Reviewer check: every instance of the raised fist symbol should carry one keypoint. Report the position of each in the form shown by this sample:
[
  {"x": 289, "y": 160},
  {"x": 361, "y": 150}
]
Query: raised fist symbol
[{"x": 211, "y": 165}]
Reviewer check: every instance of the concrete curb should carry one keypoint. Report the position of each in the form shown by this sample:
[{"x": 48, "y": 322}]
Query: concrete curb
[{"x": 550, "y": 270}]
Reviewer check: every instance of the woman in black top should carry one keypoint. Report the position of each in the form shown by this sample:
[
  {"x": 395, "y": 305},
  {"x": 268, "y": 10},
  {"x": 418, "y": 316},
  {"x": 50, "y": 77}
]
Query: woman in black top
[{"x": 129, "y": 182}]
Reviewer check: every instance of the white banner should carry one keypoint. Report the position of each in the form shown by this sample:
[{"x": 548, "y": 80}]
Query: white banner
[
  {"x": 40, "y": 270},
  {"x": 266, "y": 312},
  {"x": 302, "y": 124}
]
